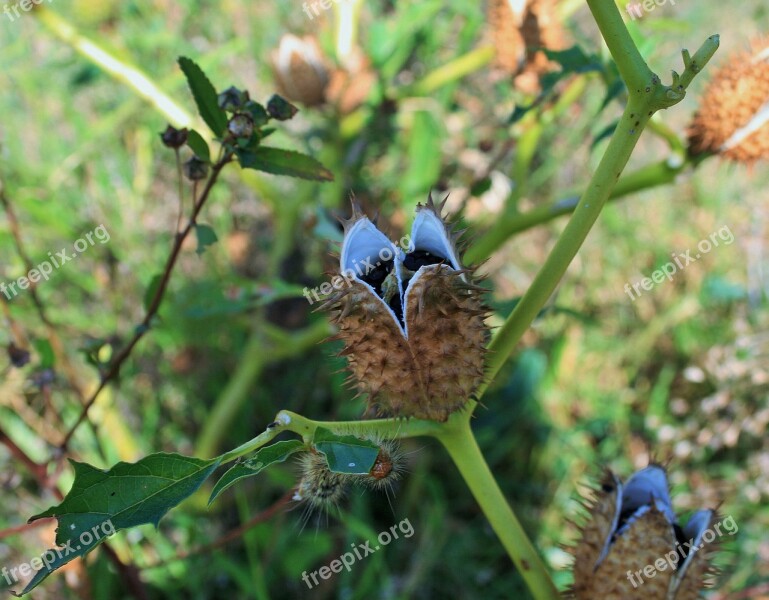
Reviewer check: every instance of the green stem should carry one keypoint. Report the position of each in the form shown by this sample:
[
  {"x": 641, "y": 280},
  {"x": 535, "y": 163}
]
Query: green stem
[
  {"x": 643, "y": 101},
  {"x": 631, "y": 65},
  {"x": 463, "y": 449},
  {"x": 286, "y": 420},
  {"x": 653, "y": 175},
  {"x": 589, "y": 207}
]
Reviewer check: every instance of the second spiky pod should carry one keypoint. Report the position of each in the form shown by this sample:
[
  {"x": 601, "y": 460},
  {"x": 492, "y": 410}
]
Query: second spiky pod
[{"x": 410, "y": 316}]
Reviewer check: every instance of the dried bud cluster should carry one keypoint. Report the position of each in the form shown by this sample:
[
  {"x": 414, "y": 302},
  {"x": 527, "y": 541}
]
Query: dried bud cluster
[
  {"x": 519, "y": 30},
  {"x": 633, "y": 547},
  {"x": 411, "y": 319},
  {"x": 733, "y": 119}
]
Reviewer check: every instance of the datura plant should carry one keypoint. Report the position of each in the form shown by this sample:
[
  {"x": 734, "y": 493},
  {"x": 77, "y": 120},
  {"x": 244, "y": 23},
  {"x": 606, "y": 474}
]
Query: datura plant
[{"x": 412, "y": 323}]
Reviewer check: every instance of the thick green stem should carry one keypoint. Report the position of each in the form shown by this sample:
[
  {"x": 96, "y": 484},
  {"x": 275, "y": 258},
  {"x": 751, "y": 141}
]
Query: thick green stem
[
  {"x": 589, "y": 207},
  {"x": 463, "y": 449},
  {"x": 643, "y": 101},
  {"x": 631, "y": 65}
]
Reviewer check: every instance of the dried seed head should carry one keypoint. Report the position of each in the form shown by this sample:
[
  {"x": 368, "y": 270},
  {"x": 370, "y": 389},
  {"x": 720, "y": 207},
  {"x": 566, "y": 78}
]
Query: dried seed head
[
  {"x": 733, "y": 119},
  {"x": 174, "y": 138},
  {"x": 195, "y": 169},
  {"x": 519, "y": 30},
  {"x": 411, "y": 319},
  {"x": 632, "y": 526},
  {"x": 300, "y": 69},
  {"x": 349, "y": 87}
]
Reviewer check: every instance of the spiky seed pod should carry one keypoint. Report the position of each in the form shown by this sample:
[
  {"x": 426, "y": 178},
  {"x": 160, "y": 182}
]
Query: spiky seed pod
[
  {"x": 319, "y": 486},
  {"x": 300, "y": 69},
  {"x": 632, "y": 546},
  {"x": 412, "y": 320},
  {"x": 519, "y": 29},
  {"x": 733, "y": 119}
]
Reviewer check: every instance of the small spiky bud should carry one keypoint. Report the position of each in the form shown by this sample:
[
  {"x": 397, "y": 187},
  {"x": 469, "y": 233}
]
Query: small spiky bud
[
  {"x": 733, "y": 119},
  {"x": 411, "y": 318},
  {"x": 519, "y": 31},
  {"x": 300, "y": 70},
  {"x": 633, "y": 547}
]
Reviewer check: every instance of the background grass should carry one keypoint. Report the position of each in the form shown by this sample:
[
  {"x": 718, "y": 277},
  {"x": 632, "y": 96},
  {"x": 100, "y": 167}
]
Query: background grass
[{"x": 680, "y": 374}]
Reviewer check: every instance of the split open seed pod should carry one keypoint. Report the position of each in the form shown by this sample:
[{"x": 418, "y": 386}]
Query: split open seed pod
[
  {"x": 411, "y": 318},
  {"x": 633, "y": 547}
]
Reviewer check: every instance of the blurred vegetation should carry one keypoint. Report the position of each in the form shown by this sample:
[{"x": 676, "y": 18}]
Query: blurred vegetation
[{"x": 681, "y": 374}]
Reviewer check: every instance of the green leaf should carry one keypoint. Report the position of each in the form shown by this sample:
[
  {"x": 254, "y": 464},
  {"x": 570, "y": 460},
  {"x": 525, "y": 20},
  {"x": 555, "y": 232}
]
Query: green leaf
[
  {"x": 284, "y": 162},
  {"x": 574, "y": 60},
  {"x": 206, "y": 237},
  {"x": 152, "y": 289},
  {"x": 45, "y": 352},
  {"x": 101, "y": 503},
  {"x": 264, "y": 457},
  {"x": 205, "y": 96},
  {"x": 345, "y": 453},
  {"x": 198, "y": 145}
]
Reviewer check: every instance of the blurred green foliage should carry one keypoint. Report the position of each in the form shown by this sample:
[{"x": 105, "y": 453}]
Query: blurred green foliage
[{"x": 679, "y": 374}]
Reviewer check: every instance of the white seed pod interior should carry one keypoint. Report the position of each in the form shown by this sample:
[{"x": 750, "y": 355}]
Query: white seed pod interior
[
  {"x": 428, "y": 233},
  {"x": 647, "y": 486}
]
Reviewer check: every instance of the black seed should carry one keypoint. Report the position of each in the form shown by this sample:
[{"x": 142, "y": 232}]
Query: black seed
[
  {"x": 377, "y": 275},
  {"x": 421, "y": 258}
]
